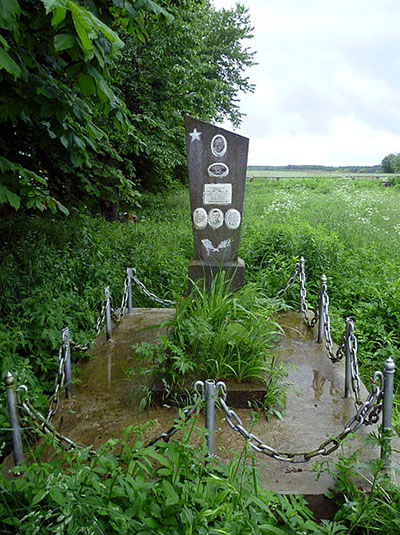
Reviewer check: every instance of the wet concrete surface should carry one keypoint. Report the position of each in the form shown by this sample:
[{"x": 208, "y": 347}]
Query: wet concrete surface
[{"x": 106, "y": 400}]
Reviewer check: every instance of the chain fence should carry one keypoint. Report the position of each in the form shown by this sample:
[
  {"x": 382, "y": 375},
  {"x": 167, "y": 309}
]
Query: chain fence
[
  {"x": 352, "y": 349},
  {"x": 116, "y": 314},
  {"x": 335, "y": 357},
  {"x": 35, "y": 421},
  {"x": 39, "y": 423},
  {"x": 310, "y": 322},
  {"x": 206, "y": 394},
  {"x": 142, "y": 288},
  {"x": 119, "y": 315},
  {"x": 59, "y": 383},
  {"x": 291, "y": 281},
  {"x": 367, "y": 414}
]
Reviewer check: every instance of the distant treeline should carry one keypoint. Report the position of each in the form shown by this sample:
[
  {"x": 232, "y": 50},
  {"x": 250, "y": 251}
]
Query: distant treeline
[{"x": 326, "y": 168}]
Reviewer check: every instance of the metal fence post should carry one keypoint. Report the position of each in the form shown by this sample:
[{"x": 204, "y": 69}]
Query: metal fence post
[
  {"x": 108, "y": 312},
  {"x": 129, "y": 274},
  {"x": 14, "y": 423},
  {"x": 302, "y": 276},
  {"x": 388, "y": 377},
  {"x": 347, "y": 376},
  {"x": 67, "y": 366},
  {"x": 321, "y": 308},
  {"x": 210, "y": 393}
]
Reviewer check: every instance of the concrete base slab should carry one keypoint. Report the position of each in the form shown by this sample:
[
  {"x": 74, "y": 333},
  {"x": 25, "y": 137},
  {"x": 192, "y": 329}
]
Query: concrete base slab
[
  {"x": 315, "y": 411},
  {"x": 201, "y": 270}
]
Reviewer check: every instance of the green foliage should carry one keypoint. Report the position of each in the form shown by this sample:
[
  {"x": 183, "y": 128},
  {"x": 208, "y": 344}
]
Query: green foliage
[
  {"x": 132, "y": 489},
  {"x": 52, "y": 275},
  {"x": 391, "y": 163},
  {"x": 193, "y": 64},
  {"x": 218, "y": 334},
  {"x": 55, "y": 59},
  {"x": 80, "y": 123},
  {"x": 369, "y": 501}
]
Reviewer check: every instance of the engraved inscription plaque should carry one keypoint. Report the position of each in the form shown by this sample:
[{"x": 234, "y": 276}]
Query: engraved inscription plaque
[{"x": 217, "y": 194}]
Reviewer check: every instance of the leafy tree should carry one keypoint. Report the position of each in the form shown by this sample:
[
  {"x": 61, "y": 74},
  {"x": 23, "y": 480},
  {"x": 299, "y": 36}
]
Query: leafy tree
[
  {"x": 192, "y": 64},
  {"x": 58, "y": 107},
  {"x": 389, "y": 163},
  {"x": 80, "y": 123}
]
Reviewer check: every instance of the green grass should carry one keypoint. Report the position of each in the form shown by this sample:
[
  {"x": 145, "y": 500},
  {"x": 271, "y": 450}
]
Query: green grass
[
  {"x": 219, "y": 335},
  {"x": 304, "y": 173}
]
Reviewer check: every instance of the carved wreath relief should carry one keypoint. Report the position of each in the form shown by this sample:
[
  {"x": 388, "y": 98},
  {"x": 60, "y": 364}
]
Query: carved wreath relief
[{"x": 218, "y": 170}]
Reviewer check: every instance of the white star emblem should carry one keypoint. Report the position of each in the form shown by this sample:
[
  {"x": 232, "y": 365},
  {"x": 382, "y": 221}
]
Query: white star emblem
[{"x": 195, "y": 135}]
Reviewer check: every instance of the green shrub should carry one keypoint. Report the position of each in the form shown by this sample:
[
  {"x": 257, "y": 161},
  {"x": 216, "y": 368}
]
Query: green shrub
[{"x": 128, "y": 488}]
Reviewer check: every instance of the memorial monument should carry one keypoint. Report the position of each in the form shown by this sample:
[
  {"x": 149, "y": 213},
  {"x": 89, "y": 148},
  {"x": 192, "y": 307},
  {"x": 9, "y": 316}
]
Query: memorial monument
[{"x": 217, "y": 163}]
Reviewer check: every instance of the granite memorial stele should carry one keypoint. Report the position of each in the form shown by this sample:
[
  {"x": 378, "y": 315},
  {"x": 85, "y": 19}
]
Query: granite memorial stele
[{"x": 217, "y": 163}]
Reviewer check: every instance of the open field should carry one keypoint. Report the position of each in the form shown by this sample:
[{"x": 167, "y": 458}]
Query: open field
[{"x": 251, "y": 174}]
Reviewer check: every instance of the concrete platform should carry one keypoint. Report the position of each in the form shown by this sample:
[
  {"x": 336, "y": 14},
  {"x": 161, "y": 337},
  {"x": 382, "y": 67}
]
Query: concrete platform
[{"x": 106, "y": 400}]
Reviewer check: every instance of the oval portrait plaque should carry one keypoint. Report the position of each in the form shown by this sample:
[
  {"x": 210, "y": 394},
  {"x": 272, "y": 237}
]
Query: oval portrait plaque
[
  {"x": 232, "y": 218},
  {"x": 215, "y": 218},
  {"x": 218, "y": 145},
  {"x": 200, "y": 219},
  {"x": 218, "y": 170}
]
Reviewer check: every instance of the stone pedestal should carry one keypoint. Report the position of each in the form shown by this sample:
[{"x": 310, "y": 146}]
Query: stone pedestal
[{"x": 199, "y": 269}]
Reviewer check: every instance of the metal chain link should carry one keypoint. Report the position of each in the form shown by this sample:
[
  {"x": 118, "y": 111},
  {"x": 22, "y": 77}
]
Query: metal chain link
[
  {"x": 310, "y": 322},
  {"x": 99, "y": 322},
  {"x": 341, "y": 352},
  {"x": 367, "y": 414},
  {"x": 59, "y": 383},
  {"x": 120, "y": 315},
  {"x": 41, "y": 424},
  {"x": 149, "y": 294},
  {"x": 291, "y": 281},
  {"x": 355, "y": 375},
  {"x": 187, "y": 413},
  {"x": 335, "y": 357}
]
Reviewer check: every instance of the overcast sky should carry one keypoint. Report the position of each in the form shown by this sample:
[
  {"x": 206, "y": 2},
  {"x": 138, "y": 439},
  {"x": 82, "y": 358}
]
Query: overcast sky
[{"x": 327, "y": 81}]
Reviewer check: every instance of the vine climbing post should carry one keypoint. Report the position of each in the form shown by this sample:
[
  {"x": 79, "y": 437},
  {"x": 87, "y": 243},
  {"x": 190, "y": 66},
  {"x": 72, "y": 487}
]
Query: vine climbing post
[
  {"x": 210, "y": 394},
  {"x": 108, "y": 312},
  {"x": 347, "y": 376},
  {"x": 388, "y": 377},
  {"x": 14, "y": 423},
  {"x": 66, "y": 348},
  {"x": 129, "y": 275},
  {"x": 321, "y": 308}
]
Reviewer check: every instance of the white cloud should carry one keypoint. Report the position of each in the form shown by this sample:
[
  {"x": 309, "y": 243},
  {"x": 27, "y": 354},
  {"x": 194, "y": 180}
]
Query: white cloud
[{"x": 325, "y": 70}]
